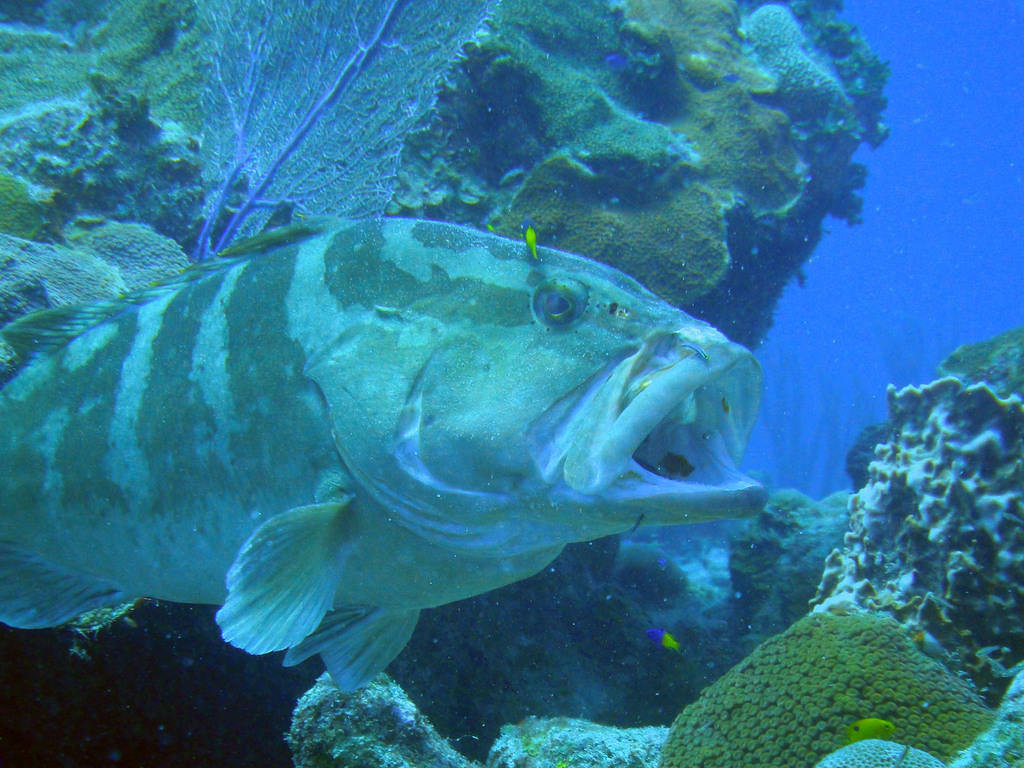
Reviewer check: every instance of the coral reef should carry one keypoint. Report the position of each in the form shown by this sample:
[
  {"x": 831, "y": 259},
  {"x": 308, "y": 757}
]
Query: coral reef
[
  {"x": 115, "y": 111},
  {"x": 873, "y": 753},
  {"x": 788, "y": 703},
  {"x": 935, "y": 535},
  {"x": 90, "y": 118},
  {"x": 562, "y": 742},
  {"x": 380, "y": 725},
  {"x": 375, "y": 726},
  {"x": 998, "y": 362},
  {"x": 775, "y": 562},
  {"x": 37, "y": 276},
  {"x": 649, "y": 136},
  {"x": 140, "y": 254},
  {"x": 570, "y": 640},
  {"x": 645, "y": 133},
  {"x": 1002, "y": 745},
  {"x": 862, "y": 452}
]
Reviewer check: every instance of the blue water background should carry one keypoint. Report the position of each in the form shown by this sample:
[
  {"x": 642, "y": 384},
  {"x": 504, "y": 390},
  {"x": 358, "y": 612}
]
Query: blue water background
[{"x": 937, "y": 261}]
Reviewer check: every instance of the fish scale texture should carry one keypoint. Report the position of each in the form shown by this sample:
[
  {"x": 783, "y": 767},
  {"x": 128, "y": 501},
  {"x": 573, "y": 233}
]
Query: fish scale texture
[
  {"x": 789, "y": 702},
  {"x": 873, "y": 753},
  {"x": 935, "y": 535}
]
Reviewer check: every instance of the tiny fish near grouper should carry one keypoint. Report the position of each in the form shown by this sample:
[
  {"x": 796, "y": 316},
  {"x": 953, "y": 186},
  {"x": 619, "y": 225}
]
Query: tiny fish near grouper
[
  {"x": 361, "y": 420},
  {"x": 664, "y": 639}
]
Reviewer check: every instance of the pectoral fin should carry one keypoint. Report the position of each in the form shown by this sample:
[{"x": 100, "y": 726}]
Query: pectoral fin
[
  {"x": 356, "y": 642},
  {"x": 35, "y": 593},
  {"x": 284, "y": 578}
]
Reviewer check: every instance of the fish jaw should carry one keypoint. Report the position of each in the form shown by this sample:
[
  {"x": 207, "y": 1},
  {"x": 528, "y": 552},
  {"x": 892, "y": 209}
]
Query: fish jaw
[{"x": 659, "y": 430}]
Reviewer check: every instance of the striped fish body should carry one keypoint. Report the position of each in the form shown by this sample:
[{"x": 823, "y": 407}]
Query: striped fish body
[
  {"x": 350, "y": 422},
  {"x": 130, "y": 453}
]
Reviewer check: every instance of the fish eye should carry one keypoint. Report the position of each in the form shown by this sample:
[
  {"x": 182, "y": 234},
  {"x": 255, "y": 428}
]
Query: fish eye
[{"x": 559, "y": 303}]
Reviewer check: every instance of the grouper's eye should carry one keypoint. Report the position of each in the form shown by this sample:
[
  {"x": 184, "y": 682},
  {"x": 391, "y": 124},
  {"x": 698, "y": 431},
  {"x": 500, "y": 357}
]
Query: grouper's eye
[{"x": 559, "y": 303}]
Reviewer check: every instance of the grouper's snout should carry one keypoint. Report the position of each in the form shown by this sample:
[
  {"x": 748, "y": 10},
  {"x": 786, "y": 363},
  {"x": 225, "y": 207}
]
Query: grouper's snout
[{"x": 666, "y": 424}]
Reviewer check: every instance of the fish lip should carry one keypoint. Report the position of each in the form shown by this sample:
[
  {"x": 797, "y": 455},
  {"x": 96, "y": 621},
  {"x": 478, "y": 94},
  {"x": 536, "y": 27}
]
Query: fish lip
[
  {"x": 715, "y": 488},
  {"x": 709, "y": 480},
  {"x": 666, "y": 428}
]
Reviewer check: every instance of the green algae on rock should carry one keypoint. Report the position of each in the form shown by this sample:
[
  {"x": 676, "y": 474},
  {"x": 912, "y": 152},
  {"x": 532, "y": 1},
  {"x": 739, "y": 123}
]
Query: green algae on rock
[{"x": 22, "y": 214}]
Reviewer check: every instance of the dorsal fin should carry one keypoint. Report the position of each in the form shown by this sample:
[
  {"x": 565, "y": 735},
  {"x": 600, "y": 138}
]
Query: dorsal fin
[
  {"x": 47, "y": 330},
  {"x": 270, "y": 239}
]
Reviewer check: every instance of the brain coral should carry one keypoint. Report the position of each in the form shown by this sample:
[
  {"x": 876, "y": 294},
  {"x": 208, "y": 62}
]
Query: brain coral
[
  {"x": 936, "y": 536},
  {"x": 872, "y": 753},
  {"x": 788, "y": 703},
  {"x": 806, "y": 84}
]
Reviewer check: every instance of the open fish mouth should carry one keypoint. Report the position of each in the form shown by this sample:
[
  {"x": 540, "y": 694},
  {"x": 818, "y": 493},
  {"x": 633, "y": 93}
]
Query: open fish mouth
[{"x": 664, "y": 426}]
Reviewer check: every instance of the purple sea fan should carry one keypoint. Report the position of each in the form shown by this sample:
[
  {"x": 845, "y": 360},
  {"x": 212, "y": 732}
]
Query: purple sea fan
[{"x": 307, "y": 104}]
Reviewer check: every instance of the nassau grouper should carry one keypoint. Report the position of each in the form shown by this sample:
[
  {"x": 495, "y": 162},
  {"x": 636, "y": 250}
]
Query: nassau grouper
[{"x": 340, "y": 424}]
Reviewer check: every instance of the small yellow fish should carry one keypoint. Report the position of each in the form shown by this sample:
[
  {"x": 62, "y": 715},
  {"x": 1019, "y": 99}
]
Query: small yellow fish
[
  {"x": 530, "y": 236},
  {"x": 869, "y": 728}
]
